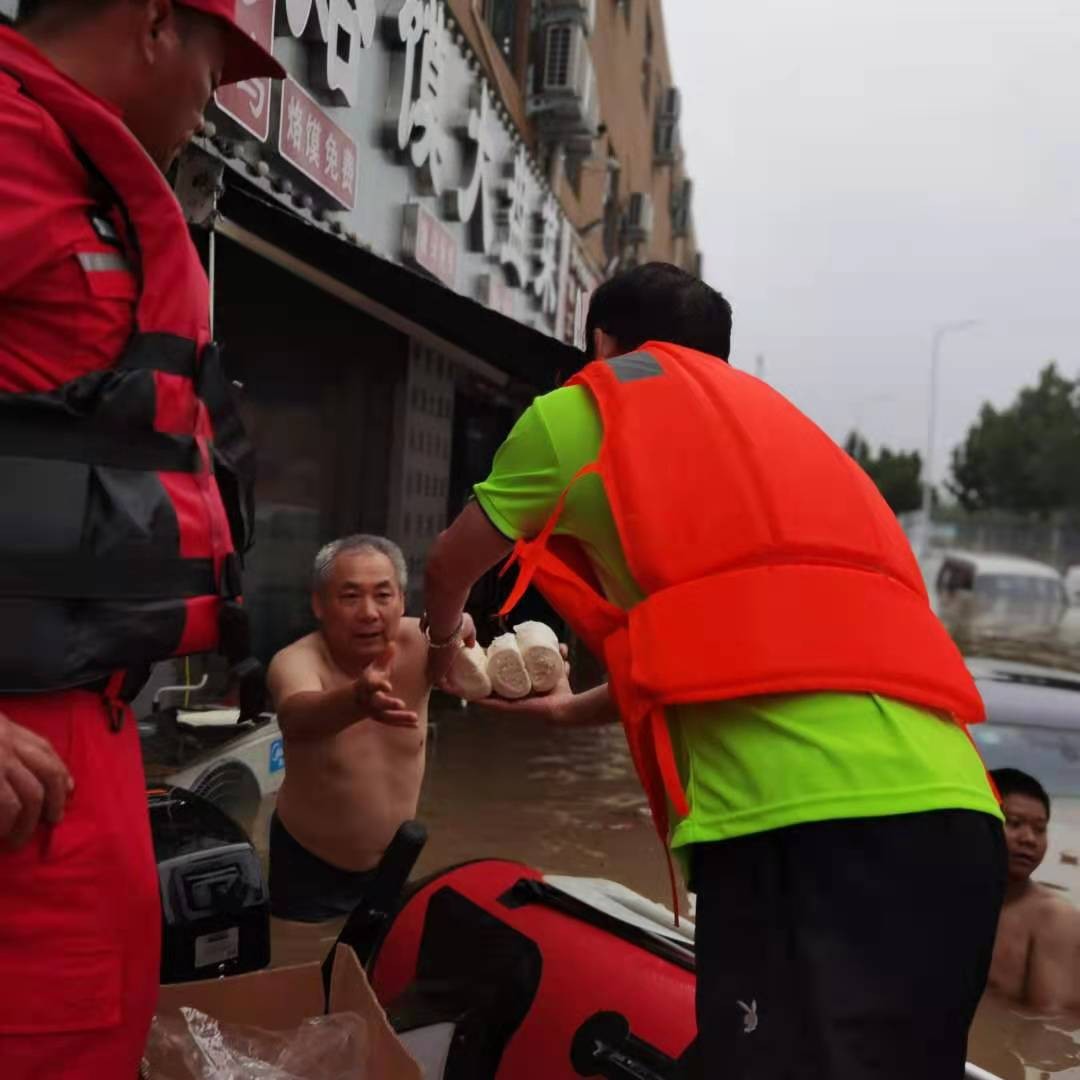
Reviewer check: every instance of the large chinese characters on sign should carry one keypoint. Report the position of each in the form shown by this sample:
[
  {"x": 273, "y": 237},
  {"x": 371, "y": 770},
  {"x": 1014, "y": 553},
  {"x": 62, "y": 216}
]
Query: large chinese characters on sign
[
  {"x": 452, "y": 190},
  {"x": 248, "y": 102},
  {"x": 338, "y": 30},
  {"x": 510, "y": 214}
]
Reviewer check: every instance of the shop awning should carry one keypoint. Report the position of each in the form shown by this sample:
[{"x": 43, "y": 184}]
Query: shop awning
[{"x": 402, "y": 297}]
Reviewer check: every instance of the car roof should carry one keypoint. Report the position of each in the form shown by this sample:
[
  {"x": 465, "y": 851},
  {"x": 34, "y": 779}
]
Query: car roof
[
  {"x": 1004, "y": 564},
  {"x": 1027, "y": 694}
]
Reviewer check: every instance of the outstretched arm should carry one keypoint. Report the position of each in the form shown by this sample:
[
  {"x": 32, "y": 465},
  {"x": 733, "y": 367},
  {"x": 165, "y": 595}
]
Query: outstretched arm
[
  {"x": 591, "y": 708},
  {"x": 306, "y": 711},
  {"x": 459, "y": 557}
]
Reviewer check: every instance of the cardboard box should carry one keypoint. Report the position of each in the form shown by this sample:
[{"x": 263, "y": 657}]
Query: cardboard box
[{"x": 279, "y": 999}]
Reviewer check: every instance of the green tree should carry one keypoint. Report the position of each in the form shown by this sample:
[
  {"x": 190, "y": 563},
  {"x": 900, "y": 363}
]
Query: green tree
[
  {"x": 1026, "y": 457},
  {"x": 897, "y": 474}
]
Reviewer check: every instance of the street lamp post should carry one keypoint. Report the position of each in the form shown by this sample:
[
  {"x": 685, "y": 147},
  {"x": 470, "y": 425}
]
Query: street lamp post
[{"x": 931, "y": 428}]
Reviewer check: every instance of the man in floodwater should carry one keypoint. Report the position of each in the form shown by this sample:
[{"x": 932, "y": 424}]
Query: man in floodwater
[
  {"x": 352, "y": 703},
  {"x": 788, "y": 696},
  {"x": 1037, "y": 951}
]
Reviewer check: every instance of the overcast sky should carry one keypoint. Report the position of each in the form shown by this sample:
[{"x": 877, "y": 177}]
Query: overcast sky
[{"x": 866, "y": 169}]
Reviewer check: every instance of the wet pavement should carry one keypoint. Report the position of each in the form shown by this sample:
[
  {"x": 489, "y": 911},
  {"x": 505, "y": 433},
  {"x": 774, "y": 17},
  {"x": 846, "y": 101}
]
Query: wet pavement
[{"x": 569, "y": 802}]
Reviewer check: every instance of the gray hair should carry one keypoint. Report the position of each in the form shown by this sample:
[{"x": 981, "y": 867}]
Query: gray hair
[{"x": 358, "y": 542}]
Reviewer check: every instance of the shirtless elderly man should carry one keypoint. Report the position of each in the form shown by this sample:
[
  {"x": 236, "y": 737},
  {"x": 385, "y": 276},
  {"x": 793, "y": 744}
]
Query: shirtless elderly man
[
  {"x": 1037, "y": 951},
  {"x": 352, "y": 703}
]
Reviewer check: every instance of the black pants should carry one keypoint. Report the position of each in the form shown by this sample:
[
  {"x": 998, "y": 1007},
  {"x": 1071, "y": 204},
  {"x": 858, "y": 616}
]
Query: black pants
[
  {"x": 846, "y": 950},
  {"x": 306, "y": 888}
]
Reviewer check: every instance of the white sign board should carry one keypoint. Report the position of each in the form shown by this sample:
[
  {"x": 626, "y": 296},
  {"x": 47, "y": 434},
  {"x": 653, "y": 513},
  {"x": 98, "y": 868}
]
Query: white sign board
[{"x": 443, "y": 180}]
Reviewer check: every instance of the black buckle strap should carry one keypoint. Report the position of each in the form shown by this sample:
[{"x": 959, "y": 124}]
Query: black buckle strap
[
  {"x": 234, "y": 455},
  {"x": 68, "y": 438},
  {"x": 135, "y": 678},
  {"x": 246, "y": 673},
  {"x": 168, "y": 353},
  {"x": 93, "y": 577},
  {"x": 231, "y": 584}
]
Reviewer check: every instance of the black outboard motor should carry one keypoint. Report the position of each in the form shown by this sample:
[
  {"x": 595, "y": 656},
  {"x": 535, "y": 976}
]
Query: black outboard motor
[{"x": 214, "y": 900}]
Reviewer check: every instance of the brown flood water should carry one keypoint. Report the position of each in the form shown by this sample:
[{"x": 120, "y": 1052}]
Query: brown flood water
[{"x": 569, "y": 802}]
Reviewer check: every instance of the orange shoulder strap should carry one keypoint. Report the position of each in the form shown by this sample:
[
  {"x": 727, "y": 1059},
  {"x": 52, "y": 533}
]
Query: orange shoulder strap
[{"x": 528, "y": 553}]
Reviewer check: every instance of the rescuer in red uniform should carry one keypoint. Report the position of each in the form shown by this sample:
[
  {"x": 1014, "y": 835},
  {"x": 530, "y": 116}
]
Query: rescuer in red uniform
[{"x": 123, "y": 497}]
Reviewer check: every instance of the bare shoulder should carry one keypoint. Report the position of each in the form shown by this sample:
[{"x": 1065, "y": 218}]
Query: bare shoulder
[
  {"x": 1052, "y": 916},
  {"x": 411, "y": 643},
  {"x": 307, "y": 648},
  {"x": 296, "y": 668},
  {"x": 1049, "y": 900}
]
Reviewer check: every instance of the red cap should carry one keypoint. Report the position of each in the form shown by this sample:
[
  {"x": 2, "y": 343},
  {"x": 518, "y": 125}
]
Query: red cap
[{"x": 245, "y": 58}]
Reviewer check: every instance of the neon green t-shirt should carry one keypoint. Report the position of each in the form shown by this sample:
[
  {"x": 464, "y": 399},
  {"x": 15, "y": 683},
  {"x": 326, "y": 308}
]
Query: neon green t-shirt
[{"x": 752, "y": 764}]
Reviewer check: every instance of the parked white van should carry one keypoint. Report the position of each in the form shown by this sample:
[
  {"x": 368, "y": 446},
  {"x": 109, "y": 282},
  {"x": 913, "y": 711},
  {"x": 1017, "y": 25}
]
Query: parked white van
[
  {"x": 999, "y": 594},
  {"x": 1072, "y": 585}
]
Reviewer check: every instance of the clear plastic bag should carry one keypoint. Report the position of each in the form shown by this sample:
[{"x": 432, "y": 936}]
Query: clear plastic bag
[{"x": 189, "y": 1045}]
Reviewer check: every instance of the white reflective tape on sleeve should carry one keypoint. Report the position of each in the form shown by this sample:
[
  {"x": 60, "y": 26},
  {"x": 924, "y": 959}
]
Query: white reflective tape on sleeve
[{"x": 94, "y": 262}]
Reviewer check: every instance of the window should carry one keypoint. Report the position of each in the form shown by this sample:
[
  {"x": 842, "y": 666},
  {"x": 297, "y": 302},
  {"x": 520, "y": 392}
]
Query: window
[
  {"x": 502, "y": 18},
  {"x": 647, "y": 61},
  {"x": 956, "y": 577}
]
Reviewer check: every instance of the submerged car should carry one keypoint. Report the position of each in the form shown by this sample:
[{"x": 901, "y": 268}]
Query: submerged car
[
  {"x": 1033, "y": 724},
  {"x": 1072, "y": 585},
  {"x": 998, "y": 594}
]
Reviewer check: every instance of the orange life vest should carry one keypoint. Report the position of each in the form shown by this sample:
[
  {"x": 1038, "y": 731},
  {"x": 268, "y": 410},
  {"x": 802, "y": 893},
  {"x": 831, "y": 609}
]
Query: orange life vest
[{"x": 769, "y": 561}]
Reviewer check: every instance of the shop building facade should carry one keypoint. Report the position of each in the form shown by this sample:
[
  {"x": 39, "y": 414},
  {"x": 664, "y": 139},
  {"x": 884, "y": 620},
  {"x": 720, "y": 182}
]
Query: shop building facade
[{"x": 402, "y": 238}]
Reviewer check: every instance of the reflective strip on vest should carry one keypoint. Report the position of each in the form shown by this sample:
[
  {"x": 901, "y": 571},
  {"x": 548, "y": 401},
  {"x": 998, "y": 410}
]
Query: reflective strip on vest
[
  {"x": 635, "y": 366},
  {"x": 103, "y": 262}
]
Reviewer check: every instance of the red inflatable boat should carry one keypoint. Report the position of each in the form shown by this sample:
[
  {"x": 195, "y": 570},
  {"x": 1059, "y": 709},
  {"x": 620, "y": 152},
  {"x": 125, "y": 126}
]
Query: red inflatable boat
[
  {"x": 492, "y": 971},
  {"x": 489, "y": 970}
]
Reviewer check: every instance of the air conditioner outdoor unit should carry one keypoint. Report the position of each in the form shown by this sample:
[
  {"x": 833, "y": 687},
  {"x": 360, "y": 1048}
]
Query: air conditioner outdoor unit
[
  {"x": 666, "y": 144},
  {"x": 567, "y": 104},
  {"x": 638, "y": 226},
  {"x": 583, "y": 11},
  {"x": 579, "y": 146},
  {"x": 682, "y": 208}
]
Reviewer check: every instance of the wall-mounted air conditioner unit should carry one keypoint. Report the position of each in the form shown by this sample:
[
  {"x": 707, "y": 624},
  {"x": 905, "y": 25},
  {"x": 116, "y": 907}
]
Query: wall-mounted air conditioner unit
[
  {"x": 666, "y": 144},
  {"x": 638, "y": 224},
  {"x": 582, "y": 11},
  {"x": 567, "y": 104},
  {"x": 682, "y": 199}
]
